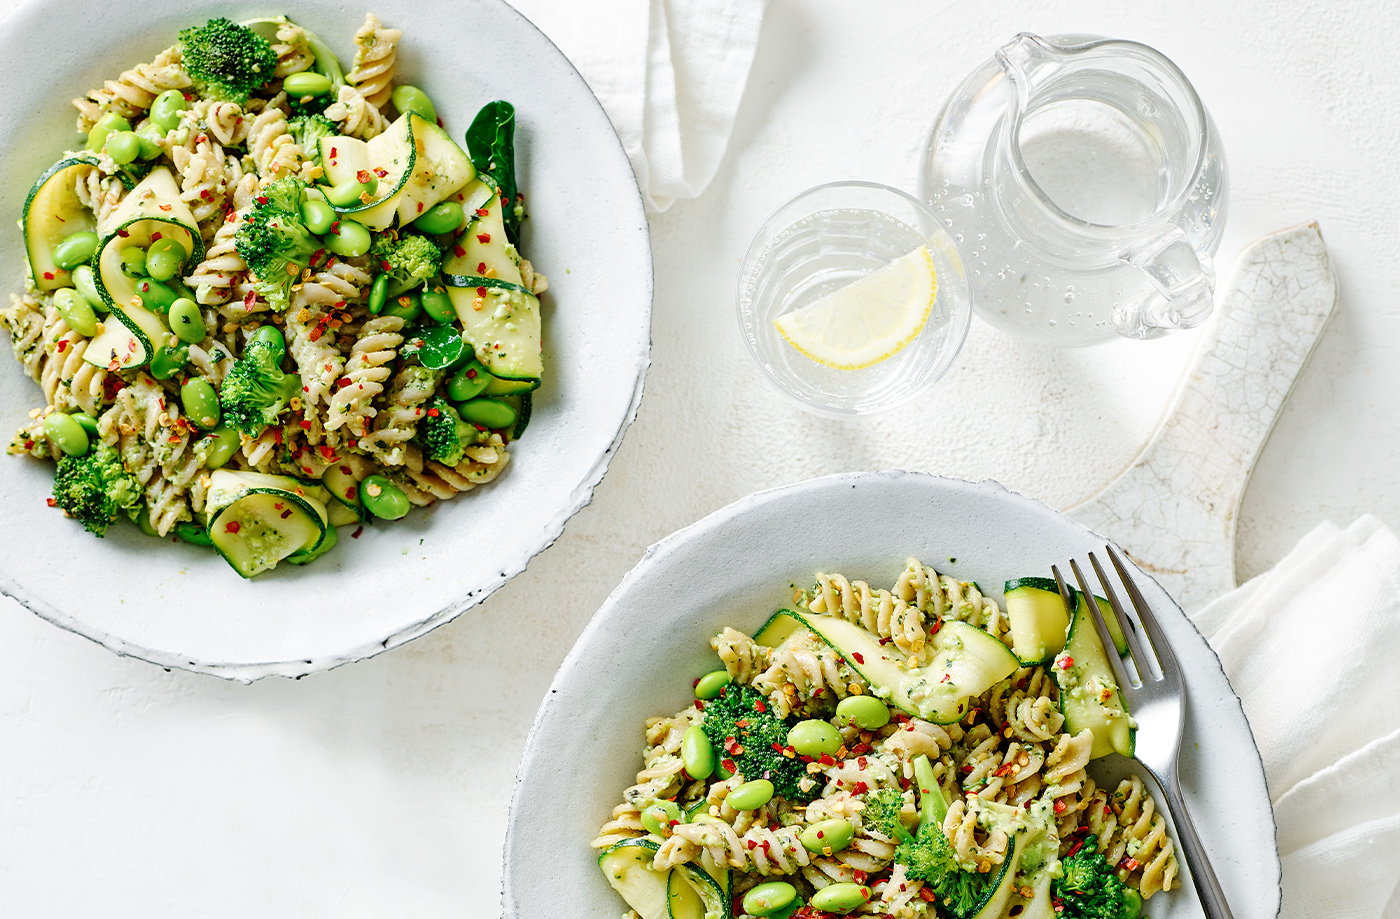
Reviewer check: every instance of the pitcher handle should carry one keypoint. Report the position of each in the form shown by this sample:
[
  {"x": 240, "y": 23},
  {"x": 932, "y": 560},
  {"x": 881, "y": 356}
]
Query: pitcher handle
[{"x": 1183, "y": 287}]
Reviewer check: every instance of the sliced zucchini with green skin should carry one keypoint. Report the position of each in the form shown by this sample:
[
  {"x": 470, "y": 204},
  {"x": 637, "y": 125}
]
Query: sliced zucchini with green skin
[
  {"x": 499, "y": 387},
  {"x": 712, "y": 890},
  {"x": 52, "y": 213},
  {"x": 1038, "y": 618},
  {"x": 421, "y": 166},
  {"x": 1089, "y": 694},
  {"x": 441, "y": 169},
  {"x": 343, "y": 485},
  {"x": 965, "y": 662},
  {"x": 263, "y": 526},
  {"x": 999, "y": 895},
  {"x": 1115, "y": 630},
  {"x": 683, "y": 900},
  {"x": 627, "y": 866}
]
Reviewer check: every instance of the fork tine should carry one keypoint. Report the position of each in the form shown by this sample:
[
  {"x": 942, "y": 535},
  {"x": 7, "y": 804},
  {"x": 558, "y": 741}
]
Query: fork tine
[
  {"x": 1120, "y": 672},
  {"x": 1162, "y": 649},
  {"x": 1142, "y": 652}
]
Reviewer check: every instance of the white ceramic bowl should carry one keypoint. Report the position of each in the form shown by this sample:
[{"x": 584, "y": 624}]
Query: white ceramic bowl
[
  {"x": 640, "y": 652},
  {"x": 178, "y": 606}
]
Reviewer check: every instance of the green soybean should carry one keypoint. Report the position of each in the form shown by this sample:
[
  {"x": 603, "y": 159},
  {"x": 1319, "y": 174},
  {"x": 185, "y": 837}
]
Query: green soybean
[
  {"x": 306, "y": 83},
  {"x": 133, "y": 261},
  {"x": 186, "y": 321},
  {"x": 150, "y": 134},
  {"x": 490, "y": 413},
  {"x": 468, "y": 382},
  {"x": 437, "y": 304},
  {"x": 840, "y": 898},
  {"x": 164, "y": 259},
  {"x": 350, "y": 192},
  {"x": 697, "y": 753},
  {"x": 827, "y": 836},
  {"x": 156, "y": 295},
  {"x": 122, "y": 146},
  {"x": 66, "y": 433},
  {"x": 201, "y": 403},
  {"x": 167, "y": 361},
  {"x": 709, "y": 685},
  {"x": 658, "y": 816},
  {"x": 412, "y": 99},
  {"x": 85, "y": 282},
  {"x": 814, "y": 738},
  {"x": 866, "y": 712},
  {"x": 75, "y": 249},
  {"x": 443, "y": 217},
  {"x": 378, "y": 293},
  {"x": 88, "y": 423},
  {"x": 767, "y": 899},
  {"x": 383, "y": 498},
  {"x": 219, "y": 446},
  {"x": 316, "y": 213},
  {"x": 193, "y": 533},
  {"x": 75, "y": 311},
  {"x": 750, "y": 796},
  {"x": 271, "y": 336},
  {"x": 405, "y": 306},
  {"x": 721, "y": 772},
  {"x": 105, "y": 125},
  {"x": 349, "y": 239},
  {"x": 166, "y": 109}
]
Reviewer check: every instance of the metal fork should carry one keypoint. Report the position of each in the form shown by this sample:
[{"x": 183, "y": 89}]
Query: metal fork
[{"x": 1155, "y": 696}]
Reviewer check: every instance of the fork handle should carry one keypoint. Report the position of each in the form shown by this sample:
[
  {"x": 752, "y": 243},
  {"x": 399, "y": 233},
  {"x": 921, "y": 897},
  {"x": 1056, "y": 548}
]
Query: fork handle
[{"x": 1202, "y": 874}]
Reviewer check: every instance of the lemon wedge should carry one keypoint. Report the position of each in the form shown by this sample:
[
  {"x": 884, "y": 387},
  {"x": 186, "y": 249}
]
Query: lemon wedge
[{"x": 868, "y": 320}]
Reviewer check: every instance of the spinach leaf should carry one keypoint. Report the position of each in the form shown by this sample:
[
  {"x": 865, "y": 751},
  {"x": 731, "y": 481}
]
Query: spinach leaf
[{"x": 491, "y": 146}]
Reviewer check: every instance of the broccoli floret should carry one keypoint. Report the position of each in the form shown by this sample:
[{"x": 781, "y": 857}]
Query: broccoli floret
[
  {"x": 409, "y": 259},
  {"x": 882, "y": 809},
  {"x": 1089, "y": 888},
  {"x": 444, "y": 435},
  {"x": 307, "y": 131},
  {"x": 745, "y": 732},
  {"x": 274, "y": 242},
  {"x": 256, "y": 391},
  {"x": 226, "y": 60},
  {"x": 95, "y": 488}
]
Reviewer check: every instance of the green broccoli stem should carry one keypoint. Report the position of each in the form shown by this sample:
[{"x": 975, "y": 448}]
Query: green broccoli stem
[
  {"x": 327, "y": 64},
  {"x": 933, "y": 807}
]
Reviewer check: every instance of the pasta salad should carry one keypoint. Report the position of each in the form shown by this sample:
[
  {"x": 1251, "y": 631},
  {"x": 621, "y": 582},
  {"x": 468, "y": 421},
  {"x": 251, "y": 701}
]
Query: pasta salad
[
  {"x": 917, "y": 751},
  {"x": 270, "y": 296}
]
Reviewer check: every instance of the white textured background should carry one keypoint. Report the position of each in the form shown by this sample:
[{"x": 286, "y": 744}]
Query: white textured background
[{"x": 381, "y": 788}]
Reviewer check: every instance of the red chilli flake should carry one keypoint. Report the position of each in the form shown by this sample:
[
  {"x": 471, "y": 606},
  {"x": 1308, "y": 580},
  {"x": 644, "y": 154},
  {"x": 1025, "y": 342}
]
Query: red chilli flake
[
  {"x": 482, "y": 212},
  {"x": 232, "y": 527},
  {"x": 287, "y": 513},
  {"x": 760, "y": 706},
  {"x": 481, "y": 291},
  {"x": 356, "y": 534},
  {"x": 61, "y": 346},
  {"x": 433, "y": 413},
  {"x": 458, "y": 251},
  {"x": 261, "y": 199},
  {"x": 859, "y": 788},
  {"x": 363, "y": 176},
  {"x": 1130, "y": 864},
  {"x": 48, "y": 275},
  {"x": 1066, "y": 663},
  {"x": 51, "y": 502},
  {"x": 483, "y": 237},
  {"x": 729, "y": 765},
  {"x": 480, "y": 267},
  {"x": 1078, "y": 844},
  {"x": 860, "y": 658}
]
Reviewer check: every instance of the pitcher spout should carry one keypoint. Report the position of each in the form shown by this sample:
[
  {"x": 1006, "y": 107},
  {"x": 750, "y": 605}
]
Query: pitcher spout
[{"x": 1028, "y": 61}]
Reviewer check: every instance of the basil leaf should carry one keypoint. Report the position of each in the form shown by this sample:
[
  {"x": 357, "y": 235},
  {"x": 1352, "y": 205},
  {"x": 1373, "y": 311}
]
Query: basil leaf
[
  {"x": 491, "y": 146},
  {"x": 438, "y": 348}
]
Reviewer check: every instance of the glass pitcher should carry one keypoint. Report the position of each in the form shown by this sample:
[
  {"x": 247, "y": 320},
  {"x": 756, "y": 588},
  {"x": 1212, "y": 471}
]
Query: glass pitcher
[{"x": 1085, "y": 186}]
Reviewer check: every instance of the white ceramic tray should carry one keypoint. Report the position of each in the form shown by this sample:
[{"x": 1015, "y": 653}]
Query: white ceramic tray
[
  {"x": 640, "y": 652},
  {"x": 179, "y": 606}
]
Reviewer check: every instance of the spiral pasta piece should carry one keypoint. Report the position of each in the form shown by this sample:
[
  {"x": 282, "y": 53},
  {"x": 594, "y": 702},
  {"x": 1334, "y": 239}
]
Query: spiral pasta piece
[
  {"x": 376, "y": 51},
  {"x": 69, "y": 382},
  {"x": 356, "y": 115},
  {"x": 878, "y": 611},
  {"x": 292, "y": 49},
  {"x": 943, "y": 597},
  {"x": 397, "y": 421},
  {"x": 204, "y": 172},
  {"x": 134, "y": 90},
  {"x": 802, "y": 670},
  {"x": 743, "y": 658},
  {"x": 761, "y": 850},
  {"x": 352, "y": 402},
  {"x": 270, "y": 143},
  {"x": 226, "y": 123}
]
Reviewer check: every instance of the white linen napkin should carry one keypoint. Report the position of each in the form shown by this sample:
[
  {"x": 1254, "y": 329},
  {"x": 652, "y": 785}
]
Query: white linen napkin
[
  {"x": 1310, "y": 648},
  {"x": 669, "y": 73}
]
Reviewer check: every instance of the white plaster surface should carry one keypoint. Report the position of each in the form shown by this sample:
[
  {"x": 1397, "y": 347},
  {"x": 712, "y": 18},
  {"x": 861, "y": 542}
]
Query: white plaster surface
[{"x": 381, "y": 788}]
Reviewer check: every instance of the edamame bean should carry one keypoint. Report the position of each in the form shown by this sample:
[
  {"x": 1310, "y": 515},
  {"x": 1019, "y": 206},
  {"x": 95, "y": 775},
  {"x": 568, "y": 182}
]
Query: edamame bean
[
  {"x": 105, "y": 126},
  {"x": 412, "y": 99},
  {"x": 271, "y": 336},
  {"x": 468, "y": 382},
  {"x": 383, "y": 498},
  {"x": 193, "y": 533},
  {"x": 166, "y": 109},
  {"x": 437, "y": 304},
  {"x": 840, "y": 898},
  {"x": 814, "y": 738},
  {"x": 722, "y": 772},
  {"x": 65, "y": 433},
  {"x": 88, "y": 423},
  {"x": 378, "y": 293},
  {"x": 167, "y": 361},
  {"x": 709, "y": 685},
  {"x": 200, "y": 401},
  {"x": 75, "y": 249},
  {"x": 865, "y": 712},
  {"x": 767, "y": 899},
  {"x": 490, "y": 413},
  {"x": 156, "y": 295},
  {"x": 350, "y": 192},
  {"x": 85, "y": 282},
  {"x": 827, "y": 836},
  {"x": 186, "y": 321},
  {"x": 405, "y": 306},
  {"x": 348, "y": 238},
  {"x": 219, "y": 445},
  {"x": 697, "y": 753},
  {"x": 133, "y": 261},
  {"x": 150, "y": 134},
  {"x": 316, "y": 213},
  {"x": 306, "y": 83},
  {"x": 75, "y": 311},
  {"x": 122, "y": 146},
  {"x": 164, "y": 259},
  {"x": 443, "y": 217},
  {"x": 750, "y": 796},
  {"x": 656, "y": 817}
]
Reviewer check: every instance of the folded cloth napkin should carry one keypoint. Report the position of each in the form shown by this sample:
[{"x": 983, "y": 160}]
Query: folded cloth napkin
[
  {"x": 1309, "y": 647},
  {"x": 670, "y": 74}
]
